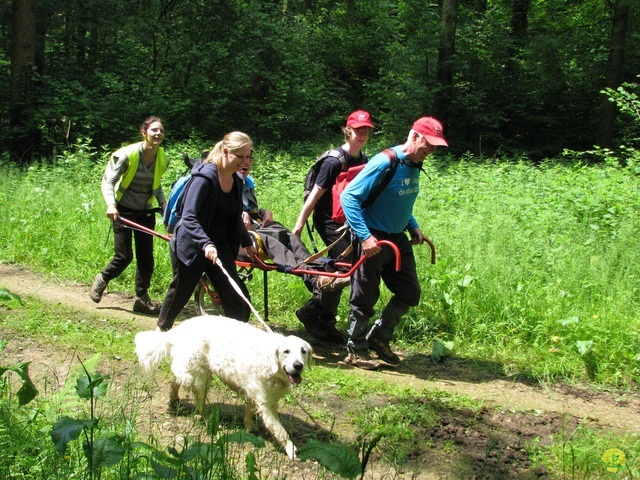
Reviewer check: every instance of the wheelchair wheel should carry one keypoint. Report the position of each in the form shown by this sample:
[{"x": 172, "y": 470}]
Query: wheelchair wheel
[{"x": 207, "y": 299}]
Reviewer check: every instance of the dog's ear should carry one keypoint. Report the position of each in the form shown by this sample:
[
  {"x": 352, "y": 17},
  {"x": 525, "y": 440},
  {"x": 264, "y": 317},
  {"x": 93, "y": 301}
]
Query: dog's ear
[
  {"x": 308, "y": 356},
  {"x": 275, "y": 366}
]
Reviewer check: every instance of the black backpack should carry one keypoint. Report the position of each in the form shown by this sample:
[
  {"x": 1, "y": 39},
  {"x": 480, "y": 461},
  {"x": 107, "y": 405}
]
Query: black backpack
[{"x": 310, "y": 179}]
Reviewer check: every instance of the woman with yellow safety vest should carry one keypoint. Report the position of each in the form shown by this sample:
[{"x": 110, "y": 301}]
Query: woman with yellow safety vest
[{"x": 131, "y": 179}]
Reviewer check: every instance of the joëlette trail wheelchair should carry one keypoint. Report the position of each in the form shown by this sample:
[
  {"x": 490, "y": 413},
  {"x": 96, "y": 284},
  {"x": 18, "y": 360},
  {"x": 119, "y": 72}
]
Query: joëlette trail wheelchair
[{"x": 207, "y": 299}]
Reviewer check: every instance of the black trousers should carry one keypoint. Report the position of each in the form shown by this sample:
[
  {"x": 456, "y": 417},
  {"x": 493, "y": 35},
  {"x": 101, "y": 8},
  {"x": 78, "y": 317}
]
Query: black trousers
[
  {"x": 365, "y": 283},
  {"x": 186, "y": 277},
  {"x": 329, "y": 301},
  {"x": 365, "y": 289},
  {"x": 287, "y": 249},
  {"x": 123, "y": 247}
]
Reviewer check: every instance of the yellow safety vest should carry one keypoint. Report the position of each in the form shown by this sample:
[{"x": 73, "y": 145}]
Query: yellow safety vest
[{"x": 132, "y": 152}]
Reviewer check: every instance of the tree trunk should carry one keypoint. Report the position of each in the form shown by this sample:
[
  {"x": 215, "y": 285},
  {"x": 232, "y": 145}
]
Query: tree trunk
[
  {"x": 615, "y": 64},
  {"x": 446, "y": 50},
  {"x": 519, "y": 26},
  {"x": 516, "y": 125},
  {"x": 23, "y": 56}
]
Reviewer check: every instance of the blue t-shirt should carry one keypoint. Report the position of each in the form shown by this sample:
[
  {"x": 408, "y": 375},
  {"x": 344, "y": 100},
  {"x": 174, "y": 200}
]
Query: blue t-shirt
[{"x": 392, "y": 211}]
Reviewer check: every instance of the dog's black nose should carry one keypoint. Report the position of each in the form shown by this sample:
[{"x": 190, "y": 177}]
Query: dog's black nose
[{"x": 298, "y": 366}]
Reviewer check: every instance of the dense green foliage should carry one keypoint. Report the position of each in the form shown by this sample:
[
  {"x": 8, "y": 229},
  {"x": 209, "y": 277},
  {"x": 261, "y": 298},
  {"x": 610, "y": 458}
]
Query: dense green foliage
[
  {"x": 106, "y": 420},
  {"x": 537, "y": 266},
  {"x": 291, "y": 70}
]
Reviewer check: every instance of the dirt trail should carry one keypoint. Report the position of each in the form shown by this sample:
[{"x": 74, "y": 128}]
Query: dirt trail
[{"x": 619, "y": 411}]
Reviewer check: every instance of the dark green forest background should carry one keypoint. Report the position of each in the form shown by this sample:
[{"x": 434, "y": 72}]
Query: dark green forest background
[{"x": 504, "y": 76}]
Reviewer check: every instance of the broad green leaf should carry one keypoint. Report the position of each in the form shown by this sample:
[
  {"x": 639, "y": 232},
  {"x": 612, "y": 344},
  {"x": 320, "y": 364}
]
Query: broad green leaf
[
  {"x": 143, "y": 446},
  {"x": 252, "y": 466},
  {"x": 67, "y": 429},
  {"x": 465, "y": 282},
  {"x": 7, "y": 295},
  {"x": 197, "y": 449},
  {"x": 212, "y": 452},
  {"x": 106, "y": 451},
  {"x": 584, "y": 346},
  {"x": 241, "y": 437},
  {"x": 213, "y": 422},
  {"x": 337, "y": 459},
  {"x": 28, "y": 390},
  {"x": 441, "y": 350},
  {"x": 97, "y": 386},
  {"x": 568, "y": 321},
  {"x": 163, "y": 471},
  {"x": 446, "y": 300}
]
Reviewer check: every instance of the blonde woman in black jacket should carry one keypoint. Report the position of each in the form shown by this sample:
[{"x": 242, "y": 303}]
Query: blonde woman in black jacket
[{"x": 211, "y": 227}]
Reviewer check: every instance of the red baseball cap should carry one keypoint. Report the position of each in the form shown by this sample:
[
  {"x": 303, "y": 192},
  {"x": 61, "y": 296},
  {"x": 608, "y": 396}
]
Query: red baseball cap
[
  {"x": 359, "y": 118},
  {"x": 431, "y": 129}
]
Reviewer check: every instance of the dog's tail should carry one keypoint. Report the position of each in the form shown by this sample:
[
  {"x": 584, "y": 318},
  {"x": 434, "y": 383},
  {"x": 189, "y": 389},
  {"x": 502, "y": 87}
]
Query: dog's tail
[{"x": 151, "y": 348}]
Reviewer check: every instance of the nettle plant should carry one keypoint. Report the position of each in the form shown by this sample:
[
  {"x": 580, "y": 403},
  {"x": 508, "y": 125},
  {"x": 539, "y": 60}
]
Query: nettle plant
[{"x": 196, "y": 459}]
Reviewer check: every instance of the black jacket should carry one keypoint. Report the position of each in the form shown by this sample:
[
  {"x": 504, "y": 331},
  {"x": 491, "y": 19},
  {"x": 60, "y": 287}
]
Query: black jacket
[{"x": 193, "y": 232}]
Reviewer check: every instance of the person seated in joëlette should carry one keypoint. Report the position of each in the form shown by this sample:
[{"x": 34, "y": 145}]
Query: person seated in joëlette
[{"x": 281, "y": 245}]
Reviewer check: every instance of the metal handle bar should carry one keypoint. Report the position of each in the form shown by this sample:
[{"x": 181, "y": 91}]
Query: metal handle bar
[
  {"x": 433, "y": 251},
  {"x": 137, "y": 226},
  {"x": 258, "y": 263}
]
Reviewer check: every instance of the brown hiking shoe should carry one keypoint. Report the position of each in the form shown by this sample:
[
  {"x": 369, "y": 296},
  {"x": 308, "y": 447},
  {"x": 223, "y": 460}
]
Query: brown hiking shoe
[
  {"x": 383, "y": 350},
  {"x": 361, "y": 360},
  {"x": 98, "y": 288},
  {"x": 329, "y": 284},
  {"x": 145, "y": 305}
]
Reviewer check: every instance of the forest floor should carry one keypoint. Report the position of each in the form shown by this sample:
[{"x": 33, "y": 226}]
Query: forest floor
[{"x": 491, "y": 443}]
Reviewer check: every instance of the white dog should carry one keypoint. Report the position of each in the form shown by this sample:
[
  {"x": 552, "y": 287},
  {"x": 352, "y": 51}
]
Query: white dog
[{"x": 256, "y": 364}]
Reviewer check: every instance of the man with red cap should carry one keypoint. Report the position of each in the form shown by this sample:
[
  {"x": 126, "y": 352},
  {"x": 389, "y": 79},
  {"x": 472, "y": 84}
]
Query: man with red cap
[
  {"x": 387, "y": 218},
  {"x": 318, "y": 315}
]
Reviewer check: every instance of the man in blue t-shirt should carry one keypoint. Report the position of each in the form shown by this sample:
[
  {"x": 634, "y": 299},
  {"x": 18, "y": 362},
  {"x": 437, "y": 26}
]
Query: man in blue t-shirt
[{"x": 386, "y": 218}]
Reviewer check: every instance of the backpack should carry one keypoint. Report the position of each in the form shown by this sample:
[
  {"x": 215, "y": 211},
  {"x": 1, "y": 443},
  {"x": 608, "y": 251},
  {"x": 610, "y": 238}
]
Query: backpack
[
  {"x": 345, "y": 177},
  {"x": 310, "y": 179},
  {"x": 173, "y": 210}
]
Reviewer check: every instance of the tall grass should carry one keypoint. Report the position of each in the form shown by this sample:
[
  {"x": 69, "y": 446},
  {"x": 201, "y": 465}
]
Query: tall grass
[{"x": 537, "y": 265}]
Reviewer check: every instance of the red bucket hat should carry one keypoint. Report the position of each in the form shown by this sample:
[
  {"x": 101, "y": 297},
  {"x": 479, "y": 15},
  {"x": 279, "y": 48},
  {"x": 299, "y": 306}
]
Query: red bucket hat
[
  {"x": 431, "y": 129},
  {"x": 359, "y": 118}
]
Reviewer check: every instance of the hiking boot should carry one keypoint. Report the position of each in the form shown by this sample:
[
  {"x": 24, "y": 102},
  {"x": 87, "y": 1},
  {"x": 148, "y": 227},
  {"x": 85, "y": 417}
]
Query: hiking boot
[
  {"x": 144, "y": 304},
  {"x": 310, "y": 322},
  {"x": 329, "y": 284},
  {"x": 361, "y": 360},
  {"x": 383, "y": 350},
  {"x": 327, "y": 323},
  {"x": 333, "y": 335},
  {"x": 98, "y": 288}
]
